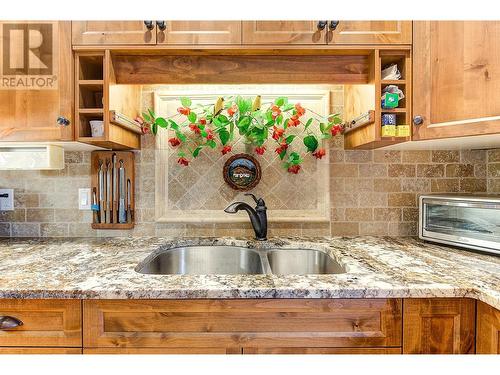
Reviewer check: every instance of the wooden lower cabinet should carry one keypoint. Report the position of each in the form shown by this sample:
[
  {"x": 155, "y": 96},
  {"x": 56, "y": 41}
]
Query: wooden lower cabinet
[
  {"x": 322, "y": 350},
  {"x": 187, "y": 350},
  {"x": 21, "y": 350},
  {"x": 265, "y": 323},
  {"x": 439, "y": 326},
  {"x": 488, "y": 329}
]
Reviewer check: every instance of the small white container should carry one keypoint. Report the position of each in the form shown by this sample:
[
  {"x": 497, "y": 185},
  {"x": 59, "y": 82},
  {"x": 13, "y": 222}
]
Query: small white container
[{"x": 97, "y": 128}]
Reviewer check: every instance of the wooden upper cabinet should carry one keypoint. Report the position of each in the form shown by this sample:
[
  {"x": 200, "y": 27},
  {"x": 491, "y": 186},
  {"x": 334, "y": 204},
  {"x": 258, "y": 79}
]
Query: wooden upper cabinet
[
  {"x": 113, "y": 32},
  {"x": 456, "y": 78},
  {"x": 369, "y": 32},
  {"x": 488, "y": 329},
  {"x": 36, "y": 81},
  {"x": 439, "y": 326},
  {"x": 284, "y": 32},
  {"x": 199, "y": 32}
]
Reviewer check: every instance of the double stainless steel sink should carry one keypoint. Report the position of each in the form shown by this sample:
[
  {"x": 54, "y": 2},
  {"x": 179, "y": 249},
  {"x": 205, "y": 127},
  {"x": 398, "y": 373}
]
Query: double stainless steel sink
[{"x": 233, "y": 260}]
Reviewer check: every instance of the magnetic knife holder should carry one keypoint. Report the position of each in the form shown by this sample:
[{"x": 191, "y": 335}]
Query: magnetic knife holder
[{"x": 128, "y": 164}]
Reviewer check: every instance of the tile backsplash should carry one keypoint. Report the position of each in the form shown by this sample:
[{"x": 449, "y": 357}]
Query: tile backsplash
[{"x": 371, "y": 193}]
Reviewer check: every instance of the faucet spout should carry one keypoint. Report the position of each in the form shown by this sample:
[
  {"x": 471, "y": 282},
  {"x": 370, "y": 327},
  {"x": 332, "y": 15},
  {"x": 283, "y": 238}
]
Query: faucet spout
[{"x": 258, "y": 216}]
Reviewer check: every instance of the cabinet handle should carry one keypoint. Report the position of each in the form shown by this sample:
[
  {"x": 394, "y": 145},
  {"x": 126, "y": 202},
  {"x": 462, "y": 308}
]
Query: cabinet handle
[
  {"x": 418, "y": 120},
  {"x": 9, "y": 322},
  {"x": 333, "y": 25},
  {"x": 149, "y": 25},
  {"x": 161, "y": 25},
  {"x": 322, "y": 25},
  {"x": 63, "y": 121}
]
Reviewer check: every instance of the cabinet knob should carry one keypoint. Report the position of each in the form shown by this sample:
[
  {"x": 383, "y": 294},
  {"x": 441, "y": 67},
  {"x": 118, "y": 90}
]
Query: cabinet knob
[
  {"x": 161, "y": 25},
  {"x": 63, "y": 121},
  {"x": 333, "y": 25},
  {"x": 418, "y": 120},
  {"x": 322, "y": 25},
  {"x": 9, "y": 322},
  {"x": 149, "y": 25}
]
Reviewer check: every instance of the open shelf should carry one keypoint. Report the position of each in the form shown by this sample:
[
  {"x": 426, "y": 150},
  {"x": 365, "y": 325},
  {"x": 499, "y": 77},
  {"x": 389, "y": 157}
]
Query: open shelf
[{"x": 357, "y": 101}]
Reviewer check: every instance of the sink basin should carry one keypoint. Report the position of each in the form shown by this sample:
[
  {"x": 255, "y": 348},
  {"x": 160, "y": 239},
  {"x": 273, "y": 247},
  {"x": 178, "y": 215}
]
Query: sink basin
[
  {"x": 302, "y": 262},
  {"x": 204, "y": 260}
]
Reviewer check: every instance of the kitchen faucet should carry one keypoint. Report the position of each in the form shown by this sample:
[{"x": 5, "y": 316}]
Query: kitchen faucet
[{"x": 258, "y": 216}]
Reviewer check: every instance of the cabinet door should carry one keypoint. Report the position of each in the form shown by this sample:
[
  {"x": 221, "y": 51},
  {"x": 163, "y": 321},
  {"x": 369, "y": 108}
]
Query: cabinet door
[
  {"x": 182, "y": 350},
  {"x": 488, "y": 329},
  {"x": 58, "y": 351},
  {"x": 199, "y": 32},
  {"x": 456, "y": 78},
  {"x": 36, "y": 81},
  {"x": 322, "y": 350},
  {"x": 369, "y": 32},
  {"x": 438, "y": 326},
  {"x": 284, "y": 32},
  {"x": 113, "y": 32}
]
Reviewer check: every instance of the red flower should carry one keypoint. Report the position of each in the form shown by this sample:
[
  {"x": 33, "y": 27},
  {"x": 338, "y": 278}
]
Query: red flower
[
  {"x": 281, "y": 148},
  {"x": 232, "y": 110},
  {"x": 260, "y": 150},
  {"x": 294, "y": 169},
  {"x": 300, "y": 110},
  {"x": 276, "y": 111},
  {"x": 174, "y": 141},
  {"x": 210, "y": 134},
  {"x": 337, "y": 129},
  {"x": 184, "y": 110},
  {"x": 203, "y": 121},
  {"x": 319, "y": 153},
  {"x": 195, "y": 128},
  {"x": 277, "y": 133},
  {"x": 294, "y": 121},
  {"x": 140, "y": 120},
  {"x": 226, "y": 149},
  {"x": 183, "y": 161},
  {"x": 145, "y": 129}
]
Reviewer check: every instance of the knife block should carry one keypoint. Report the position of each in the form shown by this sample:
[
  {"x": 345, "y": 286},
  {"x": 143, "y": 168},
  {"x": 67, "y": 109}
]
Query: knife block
[{"x": 128, "y": 164}]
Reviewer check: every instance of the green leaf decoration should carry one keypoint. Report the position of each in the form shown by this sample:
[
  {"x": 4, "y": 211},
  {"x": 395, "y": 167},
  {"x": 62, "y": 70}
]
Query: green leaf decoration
[
  {"x": 186, "y": 102},
  {"x": 196, "y": 151},
  {"x": 151, "y": 113},
  {"x": 203, "y": 133},
  {"x": 223, "y": 119},
  {"x": 290, "y": 139},
  {"x": 161, "y": 122},
  {"x": 192, "y": 117},
  {"x": 308, "y": 123},
  {"x": 280, "y": 101},
  {"x": 311, "y": 143},
  {"x": 173, "y": 124},
  {"x": 282, "y": 154},
  {"x": 243, "y": 123},
  {"x": 212, "y": 143},
  {"x": 279, "y": 119},
  {"x": 294, "y": 158},
  {"x": 154, "y": 128},
  {"x": 244, "y": 105},
  {"x": 146, "y": 116},
  {"x": 224, "y": 136},
  {"x": 181, "y": 136},
  {"x": 288, "y": 107}
]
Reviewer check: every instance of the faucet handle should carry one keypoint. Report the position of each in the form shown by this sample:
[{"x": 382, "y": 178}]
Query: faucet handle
[{"x": 253, "y": 196}]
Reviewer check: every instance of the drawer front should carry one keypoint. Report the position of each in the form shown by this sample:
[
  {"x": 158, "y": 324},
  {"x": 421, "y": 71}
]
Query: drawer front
[
  {"x": 243, "y": 323},
  {"x": 55, "y": 323},
  {"x": 21, "y": 350},
  {"x": 214, "y": 350},
  {"x": 322, "y": 351}
]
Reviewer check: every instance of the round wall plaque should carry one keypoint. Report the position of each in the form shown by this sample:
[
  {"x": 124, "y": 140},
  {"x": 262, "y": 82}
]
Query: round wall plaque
[{"x": 242, "y": 172}]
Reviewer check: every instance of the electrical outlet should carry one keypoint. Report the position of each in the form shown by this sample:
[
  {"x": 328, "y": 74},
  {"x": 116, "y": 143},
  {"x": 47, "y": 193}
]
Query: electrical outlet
[
  {"x": 84, "y": 199},
  {"x": 6, "y": 199}
]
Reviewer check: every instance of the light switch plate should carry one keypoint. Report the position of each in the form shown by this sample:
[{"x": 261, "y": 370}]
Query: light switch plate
[
  {"x": 7, "y": 203},
  {"x": 84, "y": 199}
]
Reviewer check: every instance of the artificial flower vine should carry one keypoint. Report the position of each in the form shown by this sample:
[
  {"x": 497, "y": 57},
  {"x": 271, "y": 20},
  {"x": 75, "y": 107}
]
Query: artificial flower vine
[{"x": 214, "y": 126}]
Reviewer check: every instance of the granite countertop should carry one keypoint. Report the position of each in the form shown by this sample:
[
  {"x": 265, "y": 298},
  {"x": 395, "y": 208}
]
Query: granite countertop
[{"x": 377, "y": 267}]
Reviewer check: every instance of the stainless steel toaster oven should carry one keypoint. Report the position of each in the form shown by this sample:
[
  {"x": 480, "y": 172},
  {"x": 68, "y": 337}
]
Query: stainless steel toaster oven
[{"x": 471, "y": 222}]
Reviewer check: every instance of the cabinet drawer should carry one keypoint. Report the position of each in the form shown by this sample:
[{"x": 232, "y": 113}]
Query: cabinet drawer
[
  {"x": 322, "y": 351},
  {"x": 21, "y": 350},
  {"x": 55, "y": 323},
  {"x": 243, "y": 323}
]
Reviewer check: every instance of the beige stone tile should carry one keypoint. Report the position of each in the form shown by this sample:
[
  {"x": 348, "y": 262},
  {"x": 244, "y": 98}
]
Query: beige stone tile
[
  {"x": 337, "y": 184},
  {"x": 386, "y": 214},
  {"x": 473, "y": 185},
  {"x": 401, "y": 170},
  {"x": 358, "y": 214},
  {"x": 374, "y": 228},
  {"x": 445, "y": 185},
  {"x": 18, "y": 215},
  {"x": 403, "y": 229},
  {"x": 336, "y": 156},
  {"x": 344, "y": 229},
  {"x": 410, "y": 214},
  {"x": 338, "y": 214},
  {"x": 402, "y": 199},
  {"x": 446, "y": 156},
  {"x": 416, "y": 156},
  {"x": 358, "y": 156},
  {"x": 25, "y": 230},
  {"x": 459, "y": 170},
  {"x": 81, "y": 230},
  {"x": 343, "y": 200},
  {"x": 494, "y": 170},
  {"x": 386, "y": 156},
  {"x": 417, "y": 185},
  {"x": 473, "y": 156},
  {"x": 355, "y": 185},
  {"x": 494, "y": 185},
  {"x": 40, "y": 215},
  {"x": 386, "y": 184},
  {"x": 344, "y": 170},
  {"x": 373, "y": 170},
  {"x": 374, "y": 199},
  {"x": 54, "y": 230},
  {"x": 494, "y": 155},
  {"x": 430, "y": 170},
  {"x": 170, "y": 229},
  {"x": 4, "y": 229},
  {"x": 284, "y": 229},
  {"x": 316, "y": 229},
  {"x": 23, "y": 200},
  {"x": 202, "y": 230},
  {"x": 72, "y": 157}
]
